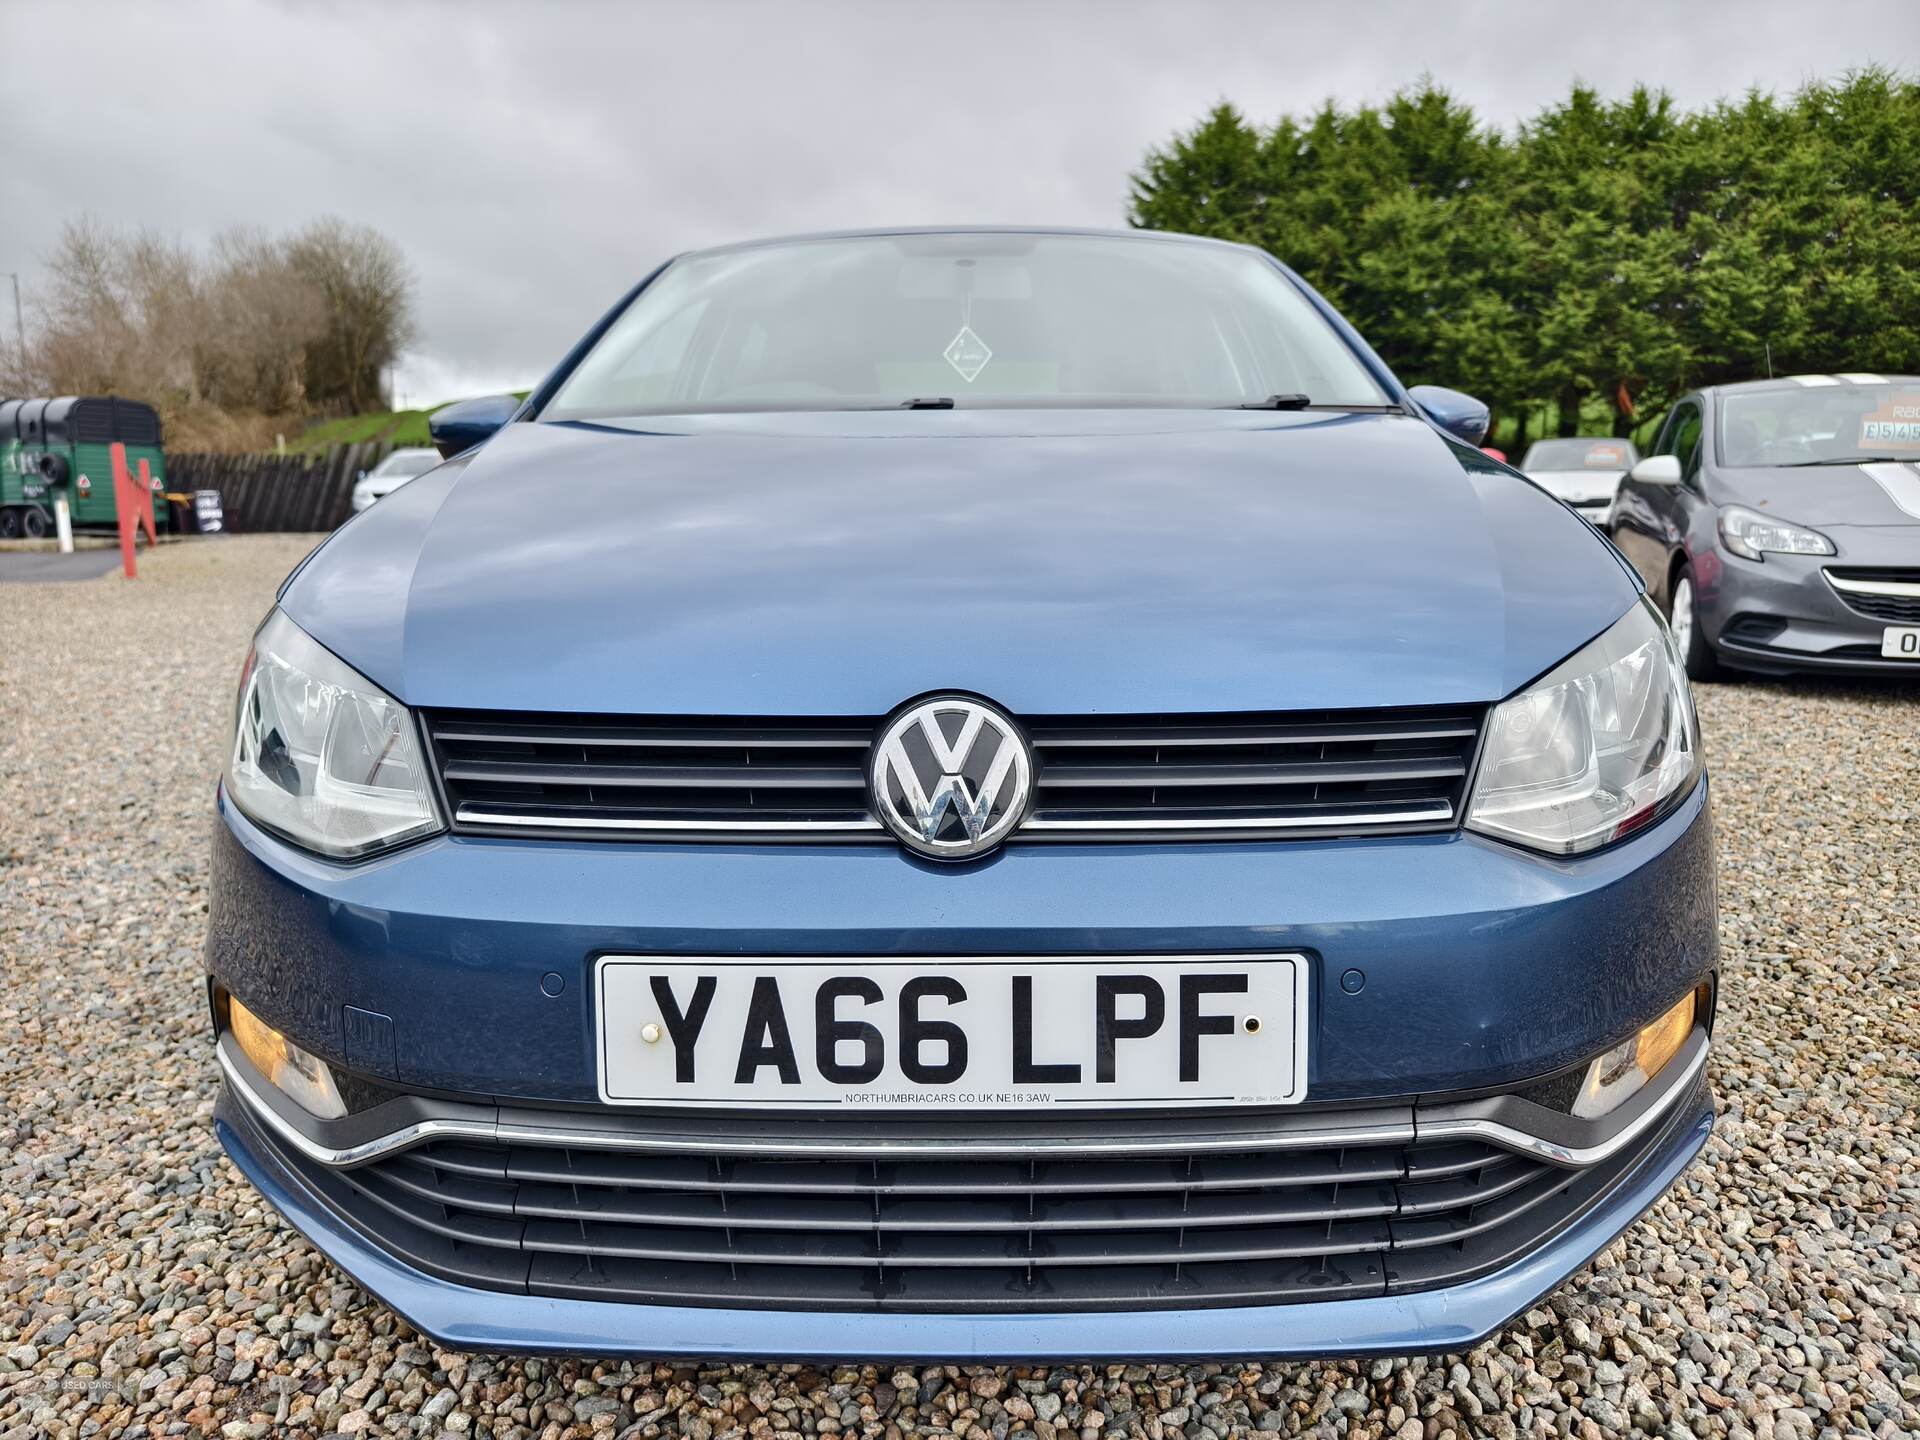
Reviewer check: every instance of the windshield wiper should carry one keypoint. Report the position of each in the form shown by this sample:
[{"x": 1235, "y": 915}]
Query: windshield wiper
[
  {"x": 1307, "y": 402},
  {"x": 928, "y": 402},
  {"x": 1840, "y": 460}
]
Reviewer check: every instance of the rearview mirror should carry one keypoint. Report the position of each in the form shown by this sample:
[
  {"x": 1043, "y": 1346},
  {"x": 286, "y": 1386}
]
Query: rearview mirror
[
  {"x": 461, "y": 426},
  {"x": 1460, "y": 415},
  {"x": 1657, "y": 470}
]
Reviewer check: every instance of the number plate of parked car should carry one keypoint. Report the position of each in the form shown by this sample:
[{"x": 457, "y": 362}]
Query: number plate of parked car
[
  {"x": 980, "y": 1034},
  {"x": 1901, "y": 642}
]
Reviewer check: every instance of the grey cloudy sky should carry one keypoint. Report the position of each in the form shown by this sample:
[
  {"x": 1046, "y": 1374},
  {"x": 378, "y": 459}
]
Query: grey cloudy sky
[{"x": 534, "y": 159}]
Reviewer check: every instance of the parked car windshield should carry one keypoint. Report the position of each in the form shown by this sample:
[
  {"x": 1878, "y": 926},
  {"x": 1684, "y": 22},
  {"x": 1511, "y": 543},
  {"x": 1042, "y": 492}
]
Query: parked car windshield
[
  {"x": 1831, "y": 423},
  {"x": 980, "y": 320},
  {"x": 1579, "y": 455},
  {"x": 408, "y": 462}
]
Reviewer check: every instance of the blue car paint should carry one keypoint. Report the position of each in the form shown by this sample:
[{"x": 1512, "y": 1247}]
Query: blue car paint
[
  {"x": 1055, "y": 562},
  {"x": 1485, "y": 966},
  {"x": 1449, "y": 1321},
  {"x": 1069, "y": 563}
]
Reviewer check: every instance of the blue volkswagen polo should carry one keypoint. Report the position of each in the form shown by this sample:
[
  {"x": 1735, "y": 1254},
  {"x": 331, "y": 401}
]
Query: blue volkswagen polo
[{"x": 970, "y": 793}]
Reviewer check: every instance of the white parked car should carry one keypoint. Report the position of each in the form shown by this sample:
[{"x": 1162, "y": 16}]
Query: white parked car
[
  {"x": 390, "y": 474},
  {"x": 1585, "y": 472}
]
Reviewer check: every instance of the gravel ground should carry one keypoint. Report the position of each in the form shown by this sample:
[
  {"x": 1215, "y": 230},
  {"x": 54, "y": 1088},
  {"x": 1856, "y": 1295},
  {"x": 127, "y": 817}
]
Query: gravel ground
[{"x": 145, "y": 1289}]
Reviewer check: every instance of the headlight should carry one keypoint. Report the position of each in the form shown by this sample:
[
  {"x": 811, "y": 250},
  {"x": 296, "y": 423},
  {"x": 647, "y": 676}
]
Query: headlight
[
  {"x": 322, "y": 755},
  {"x": 1749, "y": 533},
  {"x": 1594, "y": 749}
]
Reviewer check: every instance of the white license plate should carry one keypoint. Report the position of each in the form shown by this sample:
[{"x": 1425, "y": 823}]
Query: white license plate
[
  {"x": 1900, "y": 642},
  {"x": 953, "y": 1033}
]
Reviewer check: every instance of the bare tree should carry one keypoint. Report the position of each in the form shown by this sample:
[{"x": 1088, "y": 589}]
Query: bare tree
[
  {"x": 366, "y": 287},
  {"x": 257, "y": 335},
  {"x": 257, "y": 320},
  {"x": 119, "y": 314}
]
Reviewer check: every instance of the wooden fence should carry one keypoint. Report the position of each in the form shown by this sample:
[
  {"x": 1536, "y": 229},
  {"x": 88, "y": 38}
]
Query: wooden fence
[{"x": 279, "y": 492}]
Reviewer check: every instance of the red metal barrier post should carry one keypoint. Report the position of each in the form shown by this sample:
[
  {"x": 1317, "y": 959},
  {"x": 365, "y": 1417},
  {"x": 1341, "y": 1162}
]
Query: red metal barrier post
[{"x": 131, "y": 498}]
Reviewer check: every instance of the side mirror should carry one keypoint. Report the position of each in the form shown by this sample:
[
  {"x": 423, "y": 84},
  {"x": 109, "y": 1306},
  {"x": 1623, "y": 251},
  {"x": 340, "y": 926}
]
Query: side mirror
[
  {"x": 1461, "y": 416},
  {"x": 1657, "y": 470},
  {"x": 461, "y": 426}
]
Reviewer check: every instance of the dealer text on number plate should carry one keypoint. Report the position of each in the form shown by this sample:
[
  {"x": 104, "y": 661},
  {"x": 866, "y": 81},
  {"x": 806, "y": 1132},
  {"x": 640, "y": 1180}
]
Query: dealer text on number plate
[{"x": 958, "y": 1033}]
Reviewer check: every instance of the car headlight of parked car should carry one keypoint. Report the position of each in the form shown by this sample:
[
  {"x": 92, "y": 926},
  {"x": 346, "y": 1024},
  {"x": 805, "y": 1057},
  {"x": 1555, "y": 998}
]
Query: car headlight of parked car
[
  {"x": 1594, "y": 749},
  {"x": 1753, "y": 535},
  {"x": 321, "y": 755}
]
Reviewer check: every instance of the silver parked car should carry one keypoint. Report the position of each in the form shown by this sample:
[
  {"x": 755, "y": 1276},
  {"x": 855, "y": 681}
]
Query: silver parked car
[
  {"x": 1778, "y": 521},
  {"x": 391, "y": 473},
  {"x": 1585, "y": 472}
]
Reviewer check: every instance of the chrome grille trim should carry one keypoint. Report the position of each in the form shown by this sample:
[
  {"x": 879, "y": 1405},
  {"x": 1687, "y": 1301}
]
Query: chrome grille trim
[
  {"x": 1872, "y": 587},
  {"x": 470, "y": 815},
  {"x": 1182, "y": 777},
  {"x": 1439, "y": 812}
]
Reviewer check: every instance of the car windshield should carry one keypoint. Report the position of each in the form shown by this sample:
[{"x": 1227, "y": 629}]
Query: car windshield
[
  {"x": 1579, "y": 455},
  {"x": 1823, "y": 421},
  {"x": 967, "y": 320},
  {"x": 408, "y": 462}
]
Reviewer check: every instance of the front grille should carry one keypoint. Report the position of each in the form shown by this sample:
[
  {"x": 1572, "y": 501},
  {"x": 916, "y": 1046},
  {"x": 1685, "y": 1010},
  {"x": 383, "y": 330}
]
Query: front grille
[
  {"x": 664, "y": 777},
  {"x": 1222, "y": 775},
  {"x": 1896, "y": 608},
  {"x": 955, "y": 1234},
  {"x": 1127, "y": 777}
]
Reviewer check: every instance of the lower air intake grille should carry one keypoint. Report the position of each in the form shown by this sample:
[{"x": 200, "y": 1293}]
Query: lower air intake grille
[
  {"x": 789, "y": 1231},
  {"x": 1106, "y": 778}
]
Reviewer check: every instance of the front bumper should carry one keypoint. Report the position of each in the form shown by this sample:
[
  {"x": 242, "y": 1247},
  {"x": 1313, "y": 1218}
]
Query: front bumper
[
  {"x": 1442, "y": 965},
  {"x": 1781, "y": 616}
]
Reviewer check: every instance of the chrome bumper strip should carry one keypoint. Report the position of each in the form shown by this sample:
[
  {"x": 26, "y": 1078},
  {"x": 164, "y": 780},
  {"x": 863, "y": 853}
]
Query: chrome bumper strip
[
  {"x": 248, "y": 1089},
  {"x": 1579, "y": 1156}
]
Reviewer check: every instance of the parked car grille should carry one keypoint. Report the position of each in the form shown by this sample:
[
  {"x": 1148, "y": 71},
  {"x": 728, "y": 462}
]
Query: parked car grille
[
  {"x": 1130, "y": 777},
  {"x": 1898, "y": 602},
  {"x": 956, "y": 1234}
]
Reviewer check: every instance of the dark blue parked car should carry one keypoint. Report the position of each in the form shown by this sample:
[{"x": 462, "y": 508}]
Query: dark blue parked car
[{"x": 1021, "y": 798}]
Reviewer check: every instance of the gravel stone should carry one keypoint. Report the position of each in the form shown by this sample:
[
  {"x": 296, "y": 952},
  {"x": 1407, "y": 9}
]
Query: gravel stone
[{"x": 146, "y": 1290}]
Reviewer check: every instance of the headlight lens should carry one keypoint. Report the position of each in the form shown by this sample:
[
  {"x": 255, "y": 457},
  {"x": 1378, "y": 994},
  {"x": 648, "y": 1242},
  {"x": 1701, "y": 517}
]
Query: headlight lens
[
  {"x": 1749, "y": 533},
  {"x": 1591, "y": 751},
  {"x": 322, "y": 755}
]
